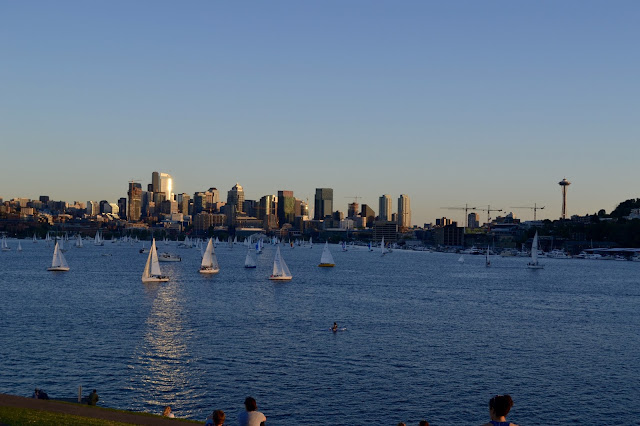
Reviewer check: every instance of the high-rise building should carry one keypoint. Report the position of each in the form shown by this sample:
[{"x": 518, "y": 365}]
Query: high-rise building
[
  {"x": 236, "y": 197},
  {"x": 93, "y": 208},
  {"x": 266, "y": 207},
  {"x": 352, "y": 209},
  {"x": 367, "y": 212},
  {"x": 286, "y": 207},
  {"x": 385, "y": 208},
  {"x": 122, "y": 207},
  {"x": 404, "y": 211},
  {"x": 135, "y": 201},
  {"x": 183, "y": 203},
  {"x": 323, "y": 203},
  {"x": 162, "y": 182},
  {"x": 473, "y": 220}
]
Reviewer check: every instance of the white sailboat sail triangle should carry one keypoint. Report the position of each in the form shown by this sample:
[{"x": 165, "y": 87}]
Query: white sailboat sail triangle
[
  {"x": 209, "y": 263},
  {"x": 533, "y": 264},
  {"x": 326, "y": 259},
  {"x": 58, "y": 263},
  {"x": 152, "y": 271},
  {"x": 280, "y": 270},
  {"x": 250, "y": 260}
]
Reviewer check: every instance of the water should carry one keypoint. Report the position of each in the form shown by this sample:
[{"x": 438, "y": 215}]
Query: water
[{"x": 426, "y": 337}]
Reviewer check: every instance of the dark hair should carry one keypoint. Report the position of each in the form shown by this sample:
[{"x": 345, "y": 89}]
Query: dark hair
[
  {"x": 218, "y": 417},
  {"x": 501, "y": 404},
  {"x": 424, "y": 423},
  {"x": 250, "y": 404}
]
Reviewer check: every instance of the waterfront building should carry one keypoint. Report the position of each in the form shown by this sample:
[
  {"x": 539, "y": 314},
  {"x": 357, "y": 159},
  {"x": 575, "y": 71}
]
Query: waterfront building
[
  {"x": 323, "y": 203},
  {"x": 449, "y": 235},
  {"x": 183, "y": 203},
  {"x": 93, "y": 208},
  {"x": 135, "y": 202},
  {"x": 386, "y": 229},
  {"x": 236, "y": 197},
  {"x": 384, "y": 206},
  {"x": 404, "y": 212},
  {"x": 473, "y": 220},
  {"x": 286, "y": 207},
  {"x": 249, "y": 207},
  {"x": 266, "y": 206}
]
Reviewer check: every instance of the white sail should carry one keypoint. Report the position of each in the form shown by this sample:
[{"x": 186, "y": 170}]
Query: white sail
[
  {"x": 209, "y": 263},
  {"x": 382, "y": 250},
  {"x": 280, "y": 269},
  {"x": 152, "y": 271},
  {"x": 461, "y": 258},
  {"x": 58, "y": 263},
  {"x": 5, "y": 246},
  {"x": 534, "y": 254},
  {"x": 79, "y": 241},
  {"x": 98, "y": 239},
  {"x": 35, "y": 240},
  {"x": 19, "y": 246},
  {"x": 310, "y": 242},
  {"x": 326, "y": 259},
  {"x": 250, "y": 261}
]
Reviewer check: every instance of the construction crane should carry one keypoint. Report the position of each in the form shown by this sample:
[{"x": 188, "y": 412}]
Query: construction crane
[
  {"x": 489, "y": 210},
  {"x": 466, "y": 208},
  {"x": 535, "y": 208},
  {"x": 355, "y": 198}
]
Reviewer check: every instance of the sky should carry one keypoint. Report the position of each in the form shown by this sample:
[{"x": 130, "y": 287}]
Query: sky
[{"x": 450, "y": 102}]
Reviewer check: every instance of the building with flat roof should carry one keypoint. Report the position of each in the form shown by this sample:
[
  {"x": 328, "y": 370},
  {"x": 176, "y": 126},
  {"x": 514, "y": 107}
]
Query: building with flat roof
[
  {"x": 323, "y": 203},
  {"x": 384, "y": 207}
]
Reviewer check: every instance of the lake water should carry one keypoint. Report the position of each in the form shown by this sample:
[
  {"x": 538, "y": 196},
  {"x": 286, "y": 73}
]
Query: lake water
[{"x": 427, "y": 337}]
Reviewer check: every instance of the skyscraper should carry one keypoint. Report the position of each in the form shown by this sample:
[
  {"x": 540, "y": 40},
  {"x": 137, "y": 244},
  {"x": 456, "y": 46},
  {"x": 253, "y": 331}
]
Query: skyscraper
[
  {"x": 286, "y": 207},
  {"x": 385, "y": 207},
  {"x": 236, "y": 197},
  {"x": 323, "y": 203},
  {"x": 404, "y": 211},
  {"x": 135, "y": 202},
  {"x": 368, "y": 212},
  {"x": 162, "y": 182}
]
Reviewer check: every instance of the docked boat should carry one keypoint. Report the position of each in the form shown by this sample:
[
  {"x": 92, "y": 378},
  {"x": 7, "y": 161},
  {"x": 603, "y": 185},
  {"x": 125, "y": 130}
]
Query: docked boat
[
  {"x": 534, "y": 264},
  {"x": 168, "y": 257},
  {"x": 58, "y": 263},
  {"x": 209, "y": 263},
  {"x": 326, "y": 260},
  {"x": 152, "y": 273},
  {"x": 558, "y": 254},
  {"x": 280, "y": 270}
]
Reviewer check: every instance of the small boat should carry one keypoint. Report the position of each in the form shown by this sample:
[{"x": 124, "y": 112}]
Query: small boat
[
  {"x": 461, "y": 258},
  {"x": 250, "y": 260},
  {"x": 98, "y": 241},
  {"x": 35, "y": 240},
  {"x": 280, "y": 270},
  {"x": 209, "y": 263},
  {"x": 143, "y": 249},
  {"x": 58, "y": 263},
  {"x": 5, "y": 246},
  {"x": 19, "y": 246},
  {"x": 326, "y": 260},
  {"x": 533, "y": 264},
  {"x": 369, "y": 246},
  {"x": 168, "y": 257},
  {"x": 310, "y": 242},
  {"x": 382, "y": 249},
  {"x": 152, "y": 273},
  {"x": 487, "y": 260},
  {"x": 79, "y": 241},
  {"x": 344, "y": 246}
]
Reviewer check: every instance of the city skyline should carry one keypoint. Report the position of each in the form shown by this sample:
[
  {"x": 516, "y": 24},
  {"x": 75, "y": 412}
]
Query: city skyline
[{"x": 450, "y": 103}]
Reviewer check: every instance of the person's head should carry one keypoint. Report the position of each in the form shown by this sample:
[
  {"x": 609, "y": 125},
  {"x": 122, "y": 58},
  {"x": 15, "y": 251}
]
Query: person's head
[
  {"x": 250, "y": 404},
  {"x": 95, "y": 391},
  {"x": 218, "y": 417},
  {"x": 423, "y": 423},
  {"x": 402, "y": 424},
  {"x": 166, "y": 410},
  {"x": 500, "y": 405}
]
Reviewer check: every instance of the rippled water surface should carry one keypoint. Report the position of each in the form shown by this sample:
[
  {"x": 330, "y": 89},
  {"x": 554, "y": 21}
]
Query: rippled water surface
[{"x": 427, "y": 337}]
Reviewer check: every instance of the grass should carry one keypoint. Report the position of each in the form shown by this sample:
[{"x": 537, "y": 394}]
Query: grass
[{"x": 16, "y": 416}]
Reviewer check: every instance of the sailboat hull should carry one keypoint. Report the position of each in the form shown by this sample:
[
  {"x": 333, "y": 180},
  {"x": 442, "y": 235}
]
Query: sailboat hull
[
  {"x": 530, "y": 266},
  {"x": 58, "y": 269},
  {"x": 326, "y": 265},
  {"x": 279, "y": 278},
  {"x": 155, "y": 279},
  {"x": 250, "y": 267},
  {"x": 209, "y": 271}
]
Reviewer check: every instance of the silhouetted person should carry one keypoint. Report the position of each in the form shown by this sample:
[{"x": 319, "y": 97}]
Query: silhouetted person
[
  {"x": 216, "y": 419},
  {"x": 499, "y": 407},
  {"x": 423, "y": 423},
  {"x": 251, "y": 417},
  {"x": 335, "y": 327},
  {"x": 93, "y": 398}
]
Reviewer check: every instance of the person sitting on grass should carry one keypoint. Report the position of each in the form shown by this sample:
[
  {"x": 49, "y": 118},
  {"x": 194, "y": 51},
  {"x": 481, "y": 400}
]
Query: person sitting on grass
[{"x": 499, "y": 407}]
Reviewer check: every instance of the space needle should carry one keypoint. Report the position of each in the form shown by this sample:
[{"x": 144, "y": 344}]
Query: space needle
[{"x": 564, "y": 183}]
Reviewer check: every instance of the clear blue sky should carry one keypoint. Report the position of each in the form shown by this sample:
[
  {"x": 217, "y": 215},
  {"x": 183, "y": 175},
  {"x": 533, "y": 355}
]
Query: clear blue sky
[{"x": 450, "y": 102}]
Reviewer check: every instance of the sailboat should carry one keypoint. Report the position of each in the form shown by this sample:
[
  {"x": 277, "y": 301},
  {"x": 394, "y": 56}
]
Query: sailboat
[
  {"x": 326, "y": 260},
  {"x": 344, "y": 246},
  {"x": 369, "y": 246},
  {"x": 250, "y": 260},
  {"x": 79, "y": 241},
  {"x": 98, "y": 239},
  {"x": 152, "y": 273},
  {"x": 35, "y": 240},
  {"x": 209, "y": 263},
  {"x": 280, "y": 270},
  {"x": 487, "y": 261},
  {"x": 310, "y": 242},
  {"x": 59, "y": 263},
  {"x": 534, "y": 254},
  {"x": 5, "y": 246},
  {"x": 461, "y": 258},
  {"x": 19, "y": 246},
  {"x": 382, "y": 249}
]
